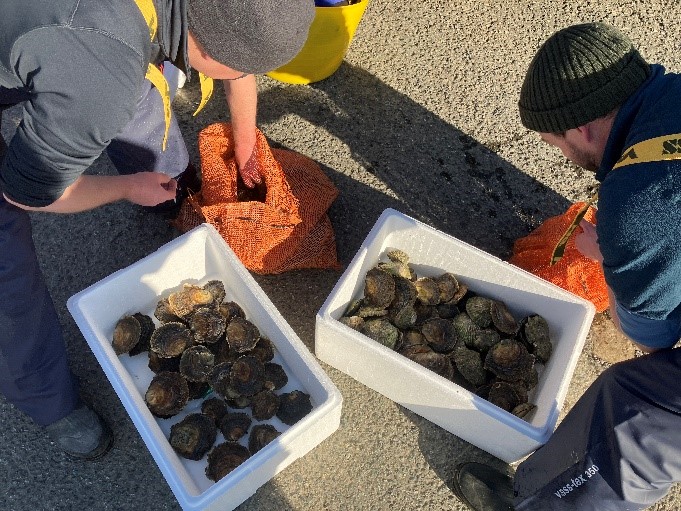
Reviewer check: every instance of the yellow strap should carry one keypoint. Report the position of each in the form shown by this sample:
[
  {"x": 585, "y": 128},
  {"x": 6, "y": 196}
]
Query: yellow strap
[
  {"x": 559, "y": 249},
  {"x": 666, "y": 147},
  {"x": 148, "y": 10},
  {"x": 206, "y": 91},
  {"x": 154, "y": 74}
]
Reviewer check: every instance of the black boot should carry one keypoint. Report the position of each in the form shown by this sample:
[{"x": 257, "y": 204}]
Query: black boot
[
  {"x": 189, "y": 182},
  {"x": 82, "y": 434},
  {"x": 484, "y": 488}
]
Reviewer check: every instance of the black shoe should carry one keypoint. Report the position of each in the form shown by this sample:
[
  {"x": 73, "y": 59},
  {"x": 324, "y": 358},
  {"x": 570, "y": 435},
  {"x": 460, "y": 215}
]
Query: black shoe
[
  {"x": 82, "y": 434},
  {"x": 189, "y": 182},
  {"x": 484, "y": 488}
]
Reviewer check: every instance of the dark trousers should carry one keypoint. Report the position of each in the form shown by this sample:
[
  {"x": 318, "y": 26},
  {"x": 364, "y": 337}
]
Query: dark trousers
[
  {"x": 619, "y": 447},
  {"x": 34, "y": 370}
]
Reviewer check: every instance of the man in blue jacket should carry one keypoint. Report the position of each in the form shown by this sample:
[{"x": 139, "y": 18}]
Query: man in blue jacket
[
  {"x": 87, "y": 75},
  {"x": 589, "y": 92}
]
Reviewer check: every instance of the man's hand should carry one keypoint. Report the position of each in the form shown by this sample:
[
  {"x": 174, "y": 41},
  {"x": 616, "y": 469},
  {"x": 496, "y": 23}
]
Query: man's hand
[
  {"x": 250, "y": 171},
  {"x": 242, "y": 100},
  {"x": 88, "y": 192},
  {"x": 149, "y": 188},
  {"x": 587, "y": 242}
]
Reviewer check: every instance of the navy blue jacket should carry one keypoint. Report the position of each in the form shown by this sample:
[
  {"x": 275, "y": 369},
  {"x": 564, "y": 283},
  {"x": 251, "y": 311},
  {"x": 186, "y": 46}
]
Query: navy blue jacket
[{"x": 639, "y": 205}]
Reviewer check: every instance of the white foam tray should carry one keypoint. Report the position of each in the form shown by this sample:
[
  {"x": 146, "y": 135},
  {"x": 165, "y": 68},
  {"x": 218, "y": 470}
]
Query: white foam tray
[
  {"x": 439, "y": 400},
  {"x": 196, "y": 257}
]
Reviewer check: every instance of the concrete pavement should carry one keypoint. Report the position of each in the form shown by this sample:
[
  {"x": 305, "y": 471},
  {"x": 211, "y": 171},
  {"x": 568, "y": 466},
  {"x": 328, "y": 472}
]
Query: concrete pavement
[{"x": 421, "y": 117}]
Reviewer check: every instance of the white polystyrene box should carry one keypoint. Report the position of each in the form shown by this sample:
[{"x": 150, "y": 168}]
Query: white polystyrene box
[
  {"x": 435, "y": 398},
  {"x": 196, "y": 257}
]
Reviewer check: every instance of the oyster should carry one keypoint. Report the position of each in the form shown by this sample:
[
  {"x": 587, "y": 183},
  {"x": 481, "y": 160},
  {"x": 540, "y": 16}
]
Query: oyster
[
  {"x": 353, "y": 307},
  {"x": 458, "y": 297},
  {"x": 294, "y": 406},
  {"x": 424, "y": 313},
  {"x": 502, "y": 319},
  {"x": 182, "y": 303},
  {"x": 366, "y": 311},
  {"x": 234, "y": 425},
  {"x": 427, "y": 290},
  {"x": 485, "y": 339},
  {"x": 171, "y": 339},
  {"x": 405, "y": 293},
  {"x": 275, "y": 376},
  {"x": 207, "y": 325},
  {"x": 413, "y": 351},
  {"x": 193, "y": 436},
  {"x": 167, "y": 394},
  {"x": 523, "y": 409},
  {"x": 239, "y": 402},
  {"x": 531, "y": 379},
  {"x": 509, "y": 360},
  {"x": 247, "y": 376},
  {"x": 382, "y": 331},
  {"x": 535, "y": 333},
  {"x": 224, "y": 458},
  {"x": 448, "y": 285},
  {"x": 264, "y": 405},
  {"x": 148, "y": 327},
  {"x": 196, "y": 363},
  {"x": 396, "y": 269},
  {"x": 157, "y": 364},
  {"x": 263, "y": 350},
  {"x": 479, "y": 309},
  {"x": 231, "y": 310},
  {"x": 397, "y": 256},
  {"x": 219, "y": 378},
  {"x": 222, "y": 351},
  {"x": 506, "y": 395},
  {"x": 404, "y": 318},
  {"x": 164, "y": 313},
  {"x": 379, "y": 288},
  {"x": 215, "y": 408},
  {"x": 436, "y": 362},
  {"x": 242, "y": 335},
  {"x": 198, "y": 389},
  {"x": 469, "y": 364},
  {"x": 440, "y": 334},
  {"x": 354, "y": 322},
  {"x": 447, "y": 310},
  {"x": 126, "y": 334},
  {"x": 260, "y": 436},
  {"x": 217, "y": 290},
  {"x": 412, "y": 338},
  {"x": 465, "y": 329}
]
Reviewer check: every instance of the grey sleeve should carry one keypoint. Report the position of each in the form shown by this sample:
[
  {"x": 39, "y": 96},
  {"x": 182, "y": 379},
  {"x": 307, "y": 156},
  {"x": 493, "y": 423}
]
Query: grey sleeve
[{"x": 83, "y": 86}]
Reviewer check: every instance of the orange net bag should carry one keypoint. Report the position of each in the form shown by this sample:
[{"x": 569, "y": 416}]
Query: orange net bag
[
  {"x": 278, "y": 227},
  {"x": 573, "y": 272}
]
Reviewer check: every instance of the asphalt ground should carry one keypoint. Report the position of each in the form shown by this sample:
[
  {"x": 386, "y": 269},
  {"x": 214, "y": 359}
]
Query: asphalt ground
[{"x": 421, "y": 117}]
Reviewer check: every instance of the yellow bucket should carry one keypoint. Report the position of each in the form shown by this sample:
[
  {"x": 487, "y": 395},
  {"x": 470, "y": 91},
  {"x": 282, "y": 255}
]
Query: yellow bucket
[{"x": 327, "y": 42}]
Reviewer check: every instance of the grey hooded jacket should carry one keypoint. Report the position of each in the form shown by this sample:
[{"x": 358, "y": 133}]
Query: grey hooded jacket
[{"x": 79, "y": 66}]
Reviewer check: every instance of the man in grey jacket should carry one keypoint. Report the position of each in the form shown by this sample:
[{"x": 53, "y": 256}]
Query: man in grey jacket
[{"x": 86, "y": 73}]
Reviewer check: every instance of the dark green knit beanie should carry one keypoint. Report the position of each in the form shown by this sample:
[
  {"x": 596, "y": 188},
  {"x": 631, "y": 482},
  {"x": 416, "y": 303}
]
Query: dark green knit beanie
[{"x": 580, "y": 73}]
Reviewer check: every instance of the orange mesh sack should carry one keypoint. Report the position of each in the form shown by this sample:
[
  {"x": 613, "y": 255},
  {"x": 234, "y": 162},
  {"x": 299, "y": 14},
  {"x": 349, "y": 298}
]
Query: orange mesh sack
[
  {"x": 574, "y": 272},
  {"x": 280, "y": 226}
]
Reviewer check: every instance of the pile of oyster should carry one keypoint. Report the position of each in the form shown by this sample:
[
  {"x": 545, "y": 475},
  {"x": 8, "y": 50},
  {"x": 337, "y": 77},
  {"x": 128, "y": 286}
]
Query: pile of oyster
[
  {"x": 204, "y": 348},
  {"x": 439, "y": 323}
]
